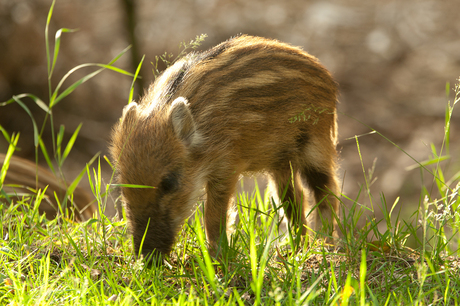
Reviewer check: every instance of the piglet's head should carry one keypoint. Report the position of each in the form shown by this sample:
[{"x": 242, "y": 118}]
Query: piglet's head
[{"x": 151, "y": 152}]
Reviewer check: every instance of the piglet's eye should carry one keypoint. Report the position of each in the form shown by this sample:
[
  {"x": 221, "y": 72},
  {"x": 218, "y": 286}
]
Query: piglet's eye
[{"x": 169, "y": 183}]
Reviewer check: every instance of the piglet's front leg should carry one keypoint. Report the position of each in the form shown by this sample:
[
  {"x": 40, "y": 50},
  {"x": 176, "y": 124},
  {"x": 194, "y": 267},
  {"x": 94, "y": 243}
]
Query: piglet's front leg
[{"x": 219, "y": 196}]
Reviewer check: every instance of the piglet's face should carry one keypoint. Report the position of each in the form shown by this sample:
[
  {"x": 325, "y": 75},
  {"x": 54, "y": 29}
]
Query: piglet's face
[{"x": 151, "y": 154}]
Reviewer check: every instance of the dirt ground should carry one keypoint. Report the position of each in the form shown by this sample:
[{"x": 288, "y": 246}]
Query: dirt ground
[{"x": 392, "y": 60}]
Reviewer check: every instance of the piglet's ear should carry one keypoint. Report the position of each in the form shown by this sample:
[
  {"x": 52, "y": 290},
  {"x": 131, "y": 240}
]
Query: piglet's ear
[
  {"x": 182, "y": 121},
  {"x": 130, "y": 114}
]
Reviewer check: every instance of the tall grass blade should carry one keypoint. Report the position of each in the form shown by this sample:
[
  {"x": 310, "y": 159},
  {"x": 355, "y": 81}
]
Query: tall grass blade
[
  {"x": 46, "y": 155},
  {"x": 131, "y": 91},
  {"x": 362, "y": 277},
  {"x": 131, "y": 186},
  {"x": 8, "y": 155},
  {"x": 31, "y": 117},
  {"x": 36, "y": 99},
  {"x": 366, "y": 178},
  {"x": 55, "y": 98},
  {"x": 310, "y": 292},
  {"x": 70, "y": 144},
  {"x": 5, "y": 134},
  {"x": 77, "y": 180},
  {"x": 47, "y": 45},
  {"x": 59, "y": 140},
  {"x": 57, "y": 44},
  {"x": 206, "y": 263},
  {"x": 428, "y": 162}
]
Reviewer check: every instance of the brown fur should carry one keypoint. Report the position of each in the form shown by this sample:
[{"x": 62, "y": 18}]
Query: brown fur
[
  {"x": 24, "y": 178},
  {"x": 247, "y": 105}
]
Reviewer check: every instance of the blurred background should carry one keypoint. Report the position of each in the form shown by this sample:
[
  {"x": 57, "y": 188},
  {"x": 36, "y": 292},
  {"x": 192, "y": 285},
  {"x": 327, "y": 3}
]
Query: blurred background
[{"x": 392, "y": 60}]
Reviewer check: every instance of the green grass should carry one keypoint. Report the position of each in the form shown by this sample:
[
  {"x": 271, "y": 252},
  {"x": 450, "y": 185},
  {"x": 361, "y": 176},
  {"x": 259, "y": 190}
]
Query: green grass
[
  {"x": 45, "y": 262},
  {"x": 49, "y": 262}
]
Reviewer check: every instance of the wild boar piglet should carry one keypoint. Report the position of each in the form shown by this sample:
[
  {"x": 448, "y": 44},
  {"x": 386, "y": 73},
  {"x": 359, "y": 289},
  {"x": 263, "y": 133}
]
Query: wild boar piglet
[{"x": 249, "y": 104}]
